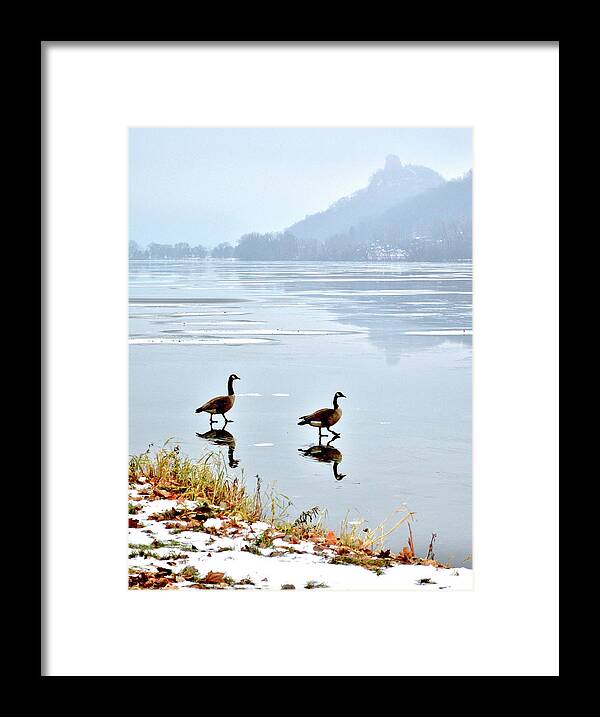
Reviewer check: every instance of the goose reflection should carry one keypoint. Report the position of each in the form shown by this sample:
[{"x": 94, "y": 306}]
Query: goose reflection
[
  {"x": 221, "y": 437},
  {"x": 325, "y": 453}
]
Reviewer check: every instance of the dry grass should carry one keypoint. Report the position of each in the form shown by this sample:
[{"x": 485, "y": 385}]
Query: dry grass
[
  {"x": 169, "y": 475},
  {"x": 354, "y": 536}
]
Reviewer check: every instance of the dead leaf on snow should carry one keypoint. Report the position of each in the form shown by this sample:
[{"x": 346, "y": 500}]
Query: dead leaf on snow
[{"x": 330, "y": 538}]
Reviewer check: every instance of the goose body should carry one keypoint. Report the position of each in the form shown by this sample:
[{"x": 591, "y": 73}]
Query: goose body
[
  {"x": 324, "y": 417},
  {"x": 220, "y": 405}
]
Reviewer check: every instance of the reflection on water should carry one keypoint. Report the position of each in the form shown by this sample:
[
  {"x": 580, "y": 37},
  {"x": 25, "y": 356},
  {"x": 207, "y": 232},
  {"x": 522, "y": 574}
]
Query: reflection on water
[
  {"x": 326, "y": 453},
  {"x": 398, "y": 337},
  {"x": 221, "y": 437}
]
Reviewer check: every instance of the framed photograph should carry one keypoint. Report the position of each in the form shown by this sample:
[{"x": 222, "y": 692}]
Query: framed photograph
[{"x": 292, "y": 293}]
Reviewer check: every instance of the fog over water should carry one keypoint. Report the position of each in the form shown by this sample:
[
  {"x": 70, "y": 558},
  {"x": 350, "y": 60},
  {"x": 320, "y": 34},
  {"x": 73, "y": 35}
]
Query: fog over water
[{"x": 395, "y": 338}]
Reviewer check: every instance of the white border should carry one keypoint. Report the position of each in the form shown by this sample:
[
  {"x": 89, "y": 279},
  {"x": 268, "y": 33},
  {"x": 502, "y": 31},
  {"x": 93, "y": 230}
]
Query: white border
[{"x": 508, "y": 624}]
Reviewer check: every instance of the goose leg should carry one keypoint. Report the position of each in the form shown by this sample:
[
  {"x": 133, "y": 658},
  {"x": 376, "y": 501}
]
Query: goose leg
[
  {"x": 337, "y": 435},
  {"x": 226, "y": 419}
]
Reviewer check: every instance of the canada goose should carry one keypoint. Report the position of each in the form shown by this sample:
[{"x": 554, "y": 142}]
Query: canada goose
[
  {"x": 221, "y": 437},
  {"x": 221, "y": 404},
  {"x": 325, "y": 454},
  {"x": 324, "y": 417}
]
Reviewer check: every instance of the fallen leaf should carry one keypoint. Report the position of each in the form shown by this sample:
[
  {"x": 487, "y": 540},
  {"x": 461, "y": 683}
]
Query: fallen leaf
[{"x": 330, "y": 539}]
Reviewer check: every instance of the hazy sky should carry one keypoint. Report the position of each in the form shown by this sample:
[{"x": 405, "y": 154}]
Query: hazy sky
[{"x": 205, "y": 186}]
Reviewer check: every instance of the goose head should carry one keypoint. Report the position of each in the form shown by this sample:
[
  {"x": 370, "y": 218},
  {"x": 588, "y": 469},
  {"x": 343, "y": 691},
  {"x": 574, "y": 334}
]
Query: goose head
[{"x": 338, "y": 394}]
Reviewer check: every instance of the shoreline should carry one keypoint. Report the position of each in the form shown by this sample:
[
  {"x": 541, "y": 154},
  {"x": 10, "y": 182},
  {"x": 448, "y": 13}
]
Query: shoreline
[{"x": 182, "y": 542}]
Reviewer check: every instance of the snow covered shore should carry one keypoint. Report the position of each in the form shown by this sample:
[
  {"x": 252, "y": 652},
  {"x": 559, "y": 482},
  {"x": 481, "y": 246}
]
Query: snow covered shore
[{"x": 173, "y": 546}]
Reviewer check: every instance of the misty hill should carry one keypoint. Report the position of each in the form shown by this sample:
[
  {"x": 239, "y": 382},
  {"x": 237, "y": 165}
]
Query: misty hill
[
  {"x": 387, "y": 187},
  {"x": 406, "y": 213},
  {"x": 433, "y": 226}
]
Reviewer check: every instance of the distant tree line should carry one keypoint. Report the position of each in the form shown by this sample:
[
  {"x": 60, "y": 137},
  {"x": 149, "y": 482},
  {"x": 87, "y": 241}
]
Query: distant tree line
[
  {"x": 445, "y": 241},
  {"x": 181, "y": 250},
  {"x": 432, "y": 226},
  {"x": 442, "y": 240}
]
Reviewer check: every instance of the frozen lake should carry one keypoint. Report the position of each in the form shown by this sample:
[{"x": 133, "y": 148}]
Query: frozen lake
[{"x": 394, "y": 338}]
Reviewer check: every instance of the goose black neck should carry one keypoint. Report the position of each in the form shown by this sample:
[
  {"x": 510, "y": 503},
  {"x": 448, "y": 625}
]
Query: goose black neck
[
  {"x": 335, "y": 401},
  {"x": 230, "y": 387}
]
